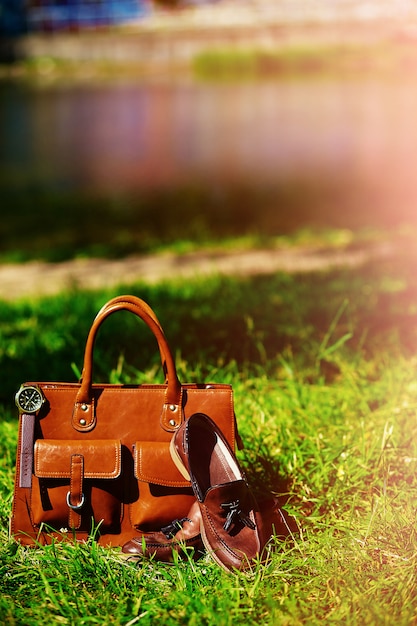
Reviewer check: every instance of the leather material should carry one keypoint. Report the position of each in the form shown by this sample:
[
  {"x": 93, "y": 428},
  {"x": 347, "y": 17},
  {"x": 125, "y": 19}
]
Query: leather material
[
  {"x": 231, "y": 526},
  {"x": 101, "y": 458},
  {"x": 75, "y": 495},
  {"x": 130, "y": 487},
  {"x": 184, "y": 536},
  {"x": 240, "y": 543},
  {"x": 148, "y": 459},
  {"x": 76, "y": 481},
  {"x": 162, "y": 545},
  {"x": 26, "y": 450},
  {"x": 171, "y": 414}
]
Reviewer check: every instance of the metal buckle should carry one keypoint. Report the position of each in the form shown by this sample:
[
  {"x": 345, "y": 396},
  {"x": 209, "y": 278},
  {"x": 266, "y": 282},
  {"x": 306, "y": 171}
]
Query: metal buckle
[{"x": 75, "y": 507}]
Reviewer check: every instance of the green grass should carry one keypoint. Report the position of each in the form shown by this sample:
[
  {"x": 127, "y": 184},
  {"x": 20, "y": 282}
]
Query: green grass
[
  {"x": 294, "y": 60},
  {"x": 71, "y": 224},
  {"x": 324, "y": 369}
]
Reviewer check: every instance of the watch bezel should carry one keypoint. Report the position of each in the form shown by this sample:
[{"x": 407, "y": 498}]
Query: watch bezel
[{"x": 25, "y": 388}]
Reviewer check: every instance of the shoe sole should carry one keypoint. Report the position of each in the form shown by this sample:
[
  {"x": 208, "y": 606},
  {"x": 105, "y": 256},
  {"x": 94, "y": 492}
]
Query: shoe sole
[{"x": 210, "y": 551}]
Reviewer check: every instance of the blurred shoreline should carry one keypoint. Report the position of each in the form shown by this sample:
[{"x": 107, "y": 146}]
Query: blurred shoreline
[{"x": 168, "y": 40}]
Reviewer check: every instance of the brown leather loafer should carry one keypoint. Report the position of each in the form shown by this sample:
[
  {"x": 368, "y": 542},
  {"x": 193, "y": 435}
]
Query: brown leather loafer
[
  {"x": 229, "y": 512},
  {"x": 181, "y": 536}
]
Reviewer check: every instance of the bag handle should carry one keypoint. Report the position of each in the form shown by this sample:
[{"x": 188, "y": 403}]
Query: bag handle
[
  {"x": 135, "y": 301},
  {"x": 84, "y": 413},
  {"x": 145, "y": 306}
]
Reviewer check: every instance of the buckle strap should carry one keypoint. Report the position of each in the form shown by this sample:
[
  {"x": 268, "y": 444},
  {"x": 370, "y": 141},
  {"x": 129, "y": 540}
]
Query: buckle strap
[{"x": 75, "y": 496}]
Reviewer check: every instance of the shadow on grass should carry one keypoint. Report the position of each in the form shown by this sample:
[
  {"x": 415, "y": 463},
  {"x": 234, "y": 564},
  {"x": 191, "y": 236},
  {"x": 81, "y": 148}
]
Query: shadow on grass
[{"x": 69, "y": 224}]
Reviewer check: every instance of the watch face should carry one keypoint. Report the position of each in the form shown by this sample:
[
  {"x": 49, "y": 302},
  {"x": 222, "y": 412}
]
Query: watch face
[{"x": 29, "y": 399}]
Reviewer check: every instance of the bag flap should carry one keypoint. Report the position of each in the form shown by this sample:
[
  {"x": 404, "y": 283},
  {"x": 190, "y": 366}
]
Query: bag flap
[
  {"x": 153, "y": 464},
  {"x": 102, "y": 458}
]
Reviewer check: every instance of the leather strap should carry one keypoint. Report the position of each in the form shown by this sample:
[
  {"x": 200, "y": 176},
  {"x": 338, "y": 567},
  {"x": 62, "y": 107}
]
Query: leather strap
[
  {"x": 138, "y": 302},
  {"x": 26, "y": 450},
  {"x": 147, "y": 309},
  {"x": 84, "y": 415},
  {"x": 75, "y": 496}
]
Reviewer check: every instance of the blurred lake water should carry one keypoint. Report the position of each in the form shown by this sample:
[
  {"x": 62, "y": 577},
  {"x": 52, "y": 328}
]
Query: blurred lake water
[{"x": 359, "y": 134}]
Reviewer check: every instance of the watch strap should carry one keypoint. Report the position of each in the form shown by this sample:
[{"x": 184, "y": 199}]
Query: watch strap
[{"x": 26, "y": 450}]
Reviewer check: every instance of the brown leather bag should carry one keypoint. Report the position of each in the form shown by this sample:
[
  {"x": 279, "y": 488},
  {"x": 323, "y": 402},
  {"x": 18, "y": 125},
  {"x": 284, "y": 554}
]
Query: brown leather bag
[{"x": 94, "y": 458}]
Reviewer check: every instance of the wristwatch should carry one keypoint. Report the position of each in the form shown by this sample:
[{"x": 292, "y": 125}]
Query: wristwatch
[{"x": 29, "y": 399}]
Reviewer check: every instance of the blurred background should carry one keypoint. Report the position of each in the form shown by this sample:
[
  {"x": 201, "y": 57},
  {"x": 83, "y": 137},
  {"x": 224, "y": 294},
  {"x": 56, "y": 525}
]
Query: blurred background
[{"x": 128, "y": 124}]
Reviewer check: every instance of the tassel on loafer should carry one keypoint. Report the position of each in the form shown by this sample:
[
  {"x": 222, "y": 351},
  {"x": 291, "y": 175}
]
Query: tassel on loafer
[
  {"x": 181, "y": 537},
  {"x": 231, "y": 525}
]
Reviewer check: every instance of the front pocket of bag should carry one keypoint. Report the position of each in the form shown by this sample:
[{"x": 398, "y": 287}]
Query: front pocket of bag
[
  {"x": 101, "y": 486},
  {"x": 164, "y": 495}
]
